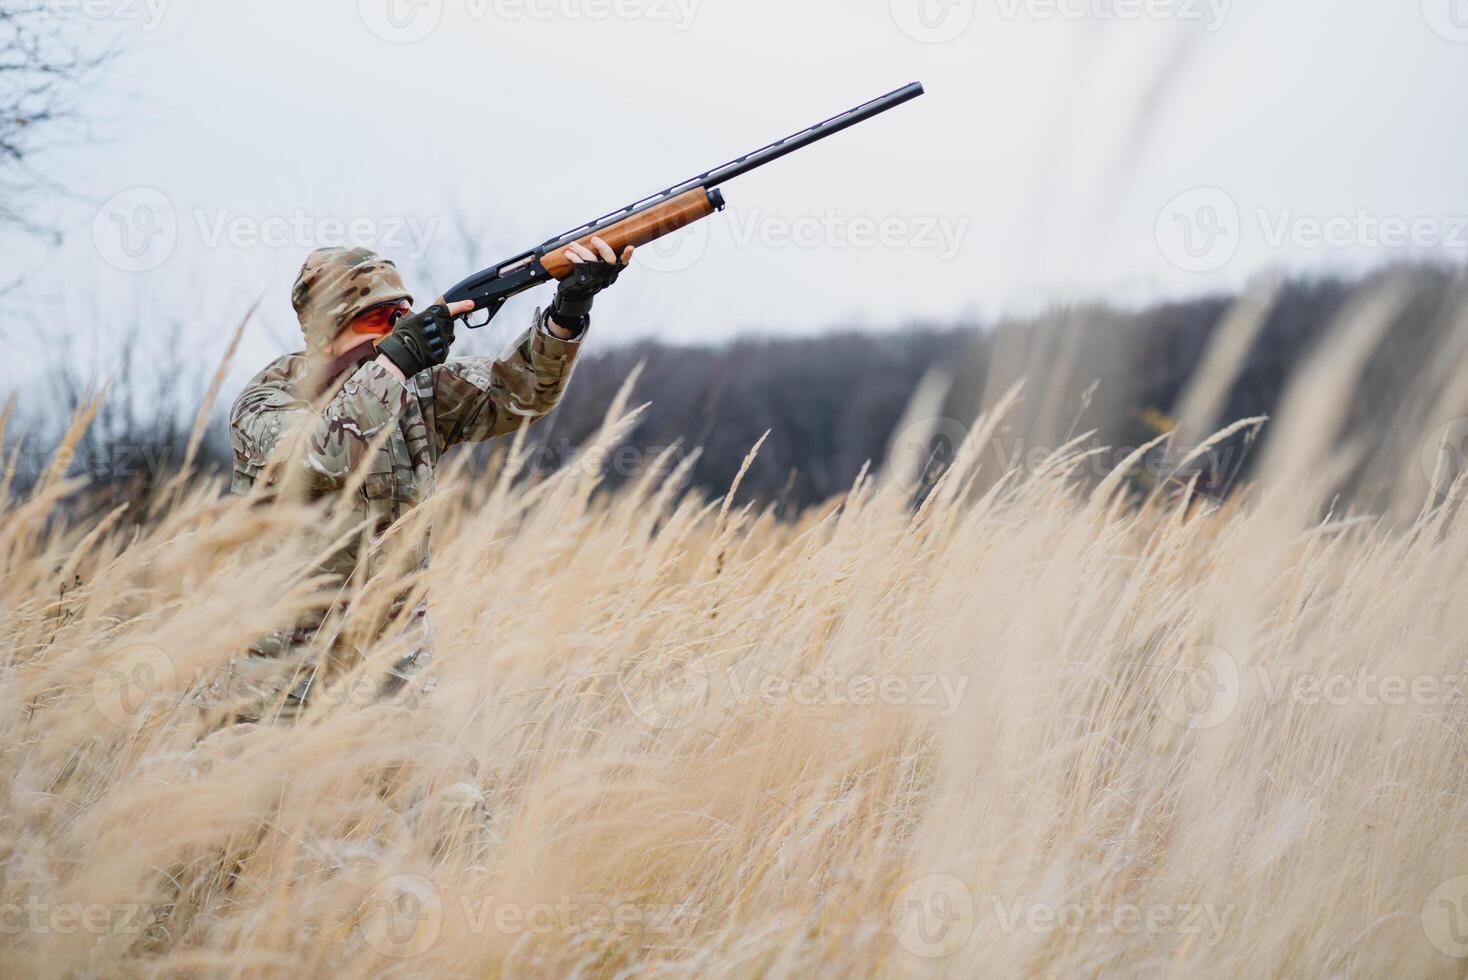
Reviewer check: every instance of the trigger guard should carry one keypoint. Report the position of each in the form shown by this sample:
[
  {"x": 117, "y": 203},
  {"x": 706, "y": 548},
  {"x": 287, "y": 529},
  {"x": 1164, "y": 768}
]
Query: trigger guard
[{"x": 488, "y": 311}]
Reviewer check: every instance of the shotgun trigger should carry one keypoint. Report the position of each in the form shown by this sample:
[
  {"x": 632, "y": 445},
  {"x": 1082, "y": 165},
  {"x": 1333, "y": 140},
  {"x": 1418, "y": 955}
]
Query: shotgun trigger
[{"x": 480, "y": 317}]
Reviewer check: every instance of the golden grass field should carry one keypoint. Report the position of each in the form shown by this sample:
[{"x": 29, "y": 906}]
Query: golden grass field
[{"x": 1039, "y": 726}]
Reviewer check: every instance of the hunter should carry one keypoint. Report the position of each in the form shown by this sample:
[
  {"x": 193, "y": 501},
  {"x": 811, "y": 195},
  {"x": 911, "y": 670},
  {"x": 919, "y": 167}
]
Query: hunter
[{"x": 372, "y": 403}]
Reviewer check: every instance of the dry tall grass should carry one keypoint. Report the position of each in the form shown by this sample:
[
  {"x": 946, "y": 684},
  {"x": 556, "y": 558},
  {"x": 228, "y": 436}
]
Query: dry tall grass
[{"x": 1035, "y": 727}]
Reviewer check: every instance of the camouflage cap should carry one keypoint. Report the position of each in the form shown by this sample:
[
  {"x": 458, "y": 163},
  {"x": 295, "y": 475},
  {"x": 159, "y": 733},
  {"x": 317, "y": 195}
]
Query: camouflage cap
[{"x": 337, "y": 284}]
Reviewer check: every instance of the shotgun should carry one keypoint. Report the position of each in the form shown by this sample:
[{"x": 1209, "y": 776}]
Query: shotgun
[{"x": 649, "y": 218}]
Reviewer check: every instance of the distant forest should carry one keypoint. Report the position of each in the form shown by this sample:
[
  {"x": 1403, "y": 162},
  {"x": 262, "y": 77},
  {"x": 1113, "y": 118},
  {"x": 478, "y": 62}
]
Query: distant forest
[{"x": 831, "y": 403}]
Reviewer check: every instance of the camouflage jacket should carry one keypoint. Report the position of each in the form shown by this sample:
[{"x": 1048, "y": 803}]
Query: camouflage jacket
[{"x": 388, "y": 436}]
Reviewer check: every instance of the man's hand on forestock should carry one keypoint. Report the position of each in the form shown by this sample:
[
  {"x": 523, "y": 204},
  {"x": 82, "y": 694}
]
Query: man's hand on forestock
[{"x": 591, "y": 272}]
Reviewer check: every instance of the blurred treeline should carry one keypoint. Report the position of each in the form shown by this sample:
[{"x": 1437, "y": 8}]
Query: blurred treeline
[{"x": 832, "y": 403}]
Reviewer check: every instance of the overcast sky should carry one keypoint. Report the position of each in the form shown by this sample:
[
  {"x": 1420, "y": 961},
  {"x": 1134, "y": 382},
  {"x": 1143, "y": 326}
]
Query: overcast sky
[{"x": 1066, "y": 149}]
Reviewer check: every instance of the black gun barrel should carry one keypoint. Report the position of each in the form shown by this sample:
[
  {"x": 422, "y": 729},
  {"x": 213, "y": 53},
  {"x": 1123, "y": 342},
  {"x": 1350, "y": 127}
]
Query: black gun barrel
[
  {"x": 806, "y": 137},
  {"x": 746, "y": 163}
]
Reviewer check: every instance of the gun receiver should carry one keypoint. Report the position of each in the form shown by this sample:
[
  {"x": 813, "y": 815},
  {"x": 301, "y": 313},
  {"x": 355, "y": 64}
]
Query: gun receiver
[{"x": 649, "y": 218}]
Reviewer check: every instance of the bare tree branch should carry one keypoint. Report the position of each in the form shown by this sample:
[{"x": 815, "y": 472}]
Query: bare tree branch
[{"x": 46, "y": 66}]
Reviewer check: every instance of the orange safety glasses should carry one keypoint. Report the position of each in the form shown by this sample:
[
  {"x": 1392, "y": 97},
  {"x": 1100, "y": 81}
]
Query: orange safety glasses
[{"x": 380, "y": 319}]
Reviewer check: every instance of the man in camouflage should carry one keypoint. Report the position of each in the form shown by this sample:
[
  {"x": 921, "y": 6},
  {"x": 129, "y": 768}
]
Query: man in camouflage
[{"x": 372, "y": 404}]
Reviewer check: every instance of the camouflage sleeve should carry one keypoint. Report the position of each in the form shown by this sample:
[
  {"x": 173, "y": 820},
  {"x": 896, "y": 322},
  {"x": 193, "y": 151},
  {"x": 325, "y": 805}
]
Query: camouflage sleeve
[
  {"x": 477, "y": 398},
  {"x": 330, "y": 443}
]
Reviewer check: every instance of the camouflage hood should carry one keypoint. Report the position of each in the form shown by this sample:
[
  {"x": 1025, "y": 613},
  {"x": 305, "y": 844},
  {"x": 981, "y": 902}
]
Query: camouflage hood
[{"x": 336, "y": 284}]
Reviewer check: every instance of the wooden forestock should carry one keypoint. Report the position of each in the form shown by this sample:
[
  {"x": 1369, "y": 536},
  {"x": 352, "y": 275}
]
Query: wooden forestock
[{"x": 641, "y": 228}]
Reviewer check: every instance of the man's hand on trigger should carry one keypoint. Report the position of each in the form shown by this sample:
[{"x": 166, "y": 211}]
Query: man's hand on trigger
[
  {"x": 591, "y": 272},
  {"x": 422, "y": 340}
]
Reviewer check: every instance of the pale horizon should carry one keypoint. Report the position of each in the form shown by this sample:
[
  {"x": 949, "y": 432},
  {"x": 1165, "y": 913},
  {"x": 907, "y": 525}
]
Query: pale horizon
[{"x": 1064, "y": 152}]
